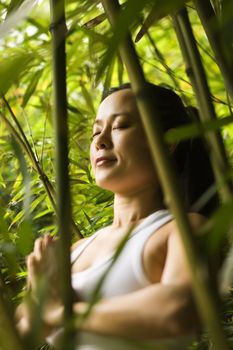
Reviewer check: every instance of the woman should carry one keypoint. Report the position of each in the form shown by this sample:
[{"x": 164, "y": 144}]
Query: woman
[{"x": 147, "y": 292}]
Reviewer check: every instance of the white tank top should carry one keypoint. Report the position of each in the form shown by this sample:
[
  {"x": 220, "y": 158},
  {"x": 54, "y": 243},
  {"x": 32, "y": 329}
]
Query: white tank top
[
  {"x": 125, "y": 276},
  {"x": 127, "y": 273}
]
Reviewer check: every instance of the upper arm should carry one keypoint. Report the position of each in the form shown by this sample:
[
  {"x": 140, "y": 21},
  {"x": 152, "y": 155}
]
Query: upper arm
[{"x": 176, "y": 270}]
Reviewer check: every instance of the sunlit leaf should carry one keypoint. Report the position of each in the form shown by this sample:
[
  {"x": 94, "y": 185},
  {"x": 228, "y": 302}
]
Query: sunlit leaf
[
  {"x": 88, "y": 97},
  {"x": 159, "y": 10},
  {"x": 11, "y": 68},
  {"x": 95, "y": 21},
  {"x": 31, "y": 87}
]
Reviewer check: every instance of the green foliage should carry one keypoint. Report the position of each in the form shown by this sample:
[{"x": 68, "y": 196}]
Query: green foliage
[{"x": 93, "y": 64}]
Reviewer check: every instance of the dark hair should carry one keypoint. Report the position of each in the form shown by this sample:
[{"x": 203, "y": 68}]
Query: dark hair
[{"x": 190, "y": 156}]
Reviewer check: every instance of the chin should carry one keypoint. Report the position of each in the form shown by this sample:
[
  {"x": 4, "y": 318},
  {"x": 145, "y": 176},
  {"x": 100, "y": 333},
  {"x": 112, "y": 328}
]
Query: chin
[
  {"x": 108, "y": 181},
  {"x": 104, "y": 185},
  {"x": 108, "y": 185}
]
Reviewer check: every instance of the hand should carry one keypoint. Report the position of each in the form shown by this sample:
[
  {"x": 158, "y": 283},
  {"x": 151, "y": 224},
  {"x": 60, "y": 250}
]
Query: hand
[
  {"x": 43, "y": 271},
  {"x": 43, "y": 300}
]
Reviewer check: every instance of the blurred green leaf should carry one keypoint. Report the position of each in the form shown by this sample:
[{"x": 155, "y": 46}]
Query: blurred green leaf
[
  {"x": 12, "y": 67},
  {"x": 26, "y": 182},
  {"x": 9, "y": 252},
  {"x": 216, "y": 229},
  {"x": 25, "y": 237},
  {"x": 196, "y": 129},
  {"x": 4, "y": 234},
  {"x": 31, "y": 87},
  {"x": 160, "y": 9},
  {"x": 88, "y": 97}
]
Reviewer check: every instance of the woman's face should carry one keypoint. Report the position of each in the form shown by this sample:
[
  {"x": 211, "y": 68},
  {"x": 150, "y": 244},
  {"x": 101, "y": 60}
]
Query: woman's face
[{"x": 119, "y": 153}]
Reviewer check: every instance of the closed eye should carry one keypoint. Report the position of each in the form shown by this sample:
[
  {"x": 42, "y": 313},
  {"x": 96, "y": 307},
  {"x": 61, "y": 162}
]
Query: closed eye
[
  {"x": 95, "y": 134},
  {"x": 120, "y": 127}
]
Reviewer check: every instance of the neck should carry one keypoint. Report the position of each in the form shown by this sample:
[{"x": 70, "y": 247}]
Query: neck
[{"x": 130, "y": 209}]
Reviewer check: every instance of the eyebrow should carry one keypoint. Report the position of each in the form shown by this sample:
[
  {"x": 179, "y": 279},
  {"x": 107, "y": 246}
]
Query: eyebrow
[{"x": 114, "y": 116}]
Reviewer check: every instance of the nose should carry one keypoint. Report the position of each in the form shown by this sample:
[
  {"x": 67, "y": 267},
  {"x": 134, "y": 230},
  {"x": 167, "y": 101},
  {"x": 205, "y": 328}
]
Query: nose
[{"x": 102, "y": 141}]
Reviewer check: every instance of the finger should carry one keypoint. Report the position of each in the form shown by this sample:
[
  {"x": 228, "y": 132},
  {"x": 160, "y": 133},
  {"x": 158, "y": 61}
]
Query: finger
[
  {"x": 20, "y": 311},
  {"x": 46, "y": 241},
  {"x": 38, "y": 246},
  {"x": 33, "y": 268},
  {"x": 30, "y": 260}
]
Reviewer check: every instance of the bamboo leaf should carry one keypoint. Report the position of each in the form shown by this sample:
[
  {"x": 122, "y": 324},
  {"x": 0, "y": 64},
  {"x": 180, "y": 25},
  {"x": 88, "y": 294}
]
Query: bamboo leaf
[
  {"x": 12, "y": 67},
  {"x": 160, "y": 9},
  {"x": 88, "y": 97},
  {"x": 196, "y": 129},
  {"x": 43, "y": 213},
  {"x": 95, "y": 21},
  {"x": 31, "y": 87},
  {"x": 96, "y": 37},
  {"x": 4, "y": 234},
  {"x": 17, "y": 218}
]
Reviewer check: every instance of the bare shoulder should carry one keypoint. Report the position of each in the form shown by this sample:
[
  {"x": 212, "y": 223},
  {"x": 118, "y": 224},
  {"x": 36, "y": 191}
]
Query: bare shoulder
[
  {"x": 164, "y": 257},
  {"x": 176, "y": 267},
  {"x": 196, "y": 221}
]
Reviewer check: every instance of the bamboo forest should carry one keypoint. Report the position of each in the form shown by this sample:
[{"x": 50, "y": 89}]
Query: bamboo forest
[{"x": 57, "y": 60}]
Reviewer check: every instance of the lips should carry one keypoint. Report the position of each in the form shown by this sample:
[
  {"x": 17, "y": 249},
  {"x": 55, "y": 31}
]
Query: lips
[{"x": 104, "y": 161}]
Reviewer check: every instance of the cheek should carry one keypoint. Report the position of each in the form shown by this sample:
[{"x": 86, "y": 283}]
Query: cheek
[
  {"x": 91, "y": 155},
  {"x": 143, "y": 155},
  {"x": 138, "y": 146}
]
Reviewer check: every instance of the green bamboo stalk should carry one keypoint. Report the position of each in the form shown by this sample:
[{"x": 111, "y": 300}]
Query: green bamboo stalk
[
  {"x": 202, "y": 290},
  {"x": 196, "y": 73},
  {"x": 222, "y": 53},
  {"x": 59, "y": 30}
]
